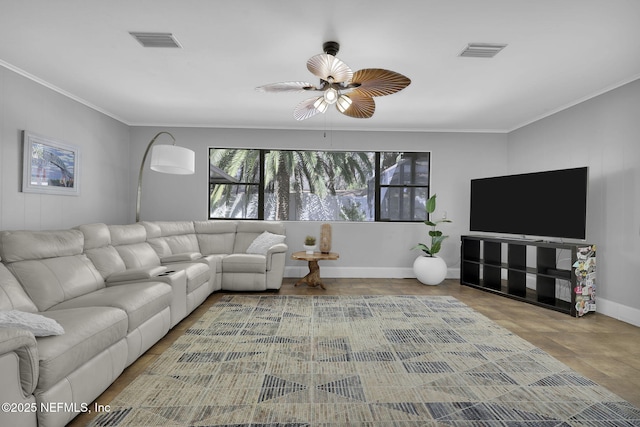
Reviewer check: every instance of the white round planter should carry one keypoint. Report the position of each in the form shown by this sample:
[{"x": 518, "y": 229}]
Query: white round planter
[
  {"x": 430, "y": 270},
  {"x": 309, "y": 249}
]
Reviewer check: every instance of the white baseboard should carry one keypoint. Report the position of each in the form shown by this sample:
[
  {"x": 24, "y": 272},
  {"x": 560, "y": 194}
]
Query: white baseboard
[
  {"x": 618, "y": 311},
  {"x": 363, "y": 272}
]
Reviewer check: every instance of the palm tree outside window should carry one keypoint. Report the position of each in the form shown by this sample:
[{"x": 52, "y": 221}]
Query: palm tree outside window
[{"x": 303, "y": 185}]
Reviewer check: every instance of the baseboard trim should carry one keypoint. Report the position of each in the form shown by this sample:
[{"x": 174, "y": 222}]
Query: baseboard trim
[
  {"x": 363, "y": 272},
  {"x": 618, "y": 311}
]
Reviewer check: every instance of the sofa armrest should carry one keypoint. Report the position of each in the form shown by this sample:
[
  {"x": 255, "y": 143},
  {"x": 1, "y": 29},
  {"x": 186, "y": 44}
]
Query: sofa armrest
[
  {"x": 182, "y": 257},
  {"x": 275, "y": 249},
  {"x": 135, "y": 274},
  {"x": 23, "y": 344}
]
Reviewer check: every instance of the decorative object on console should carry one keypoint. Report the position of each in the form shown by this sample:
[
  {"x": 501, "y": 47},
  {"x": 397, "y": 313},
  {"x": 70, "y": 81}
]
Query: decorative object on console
[
  {"x": 325, "y": 238},
  {"x": 170, "y": 159},
  {"x": 429, "y": 268},
  {"x": 309, "y": 244},
  {"x": 352, "y": 93},
  {"x": 585, "y": 272},
  {"x": 49, "y": 166}
]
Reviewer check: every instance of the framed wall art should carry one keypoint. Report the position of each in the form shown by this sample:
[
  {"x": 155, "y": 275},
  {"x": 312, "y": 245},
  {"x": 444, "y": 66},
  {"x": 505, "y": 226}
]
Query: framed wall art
[{"x": 49, "y": 166}]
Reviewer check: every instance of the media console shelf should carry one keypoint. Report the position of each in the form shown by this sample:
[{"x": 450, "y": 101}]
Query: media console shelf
[{"x": 559, "y": 276}]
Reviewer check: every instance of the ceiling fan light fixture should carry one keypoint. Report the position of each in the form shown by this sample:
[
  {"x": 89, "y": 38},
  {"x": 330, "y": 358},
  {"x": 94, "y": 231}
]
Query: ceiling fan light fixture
[
  {"x": 343, "y": 103},
  {"x": 321, "y": 104},
  {"x": 330, "y": 95},
  {"x": 336, "y": 81}
]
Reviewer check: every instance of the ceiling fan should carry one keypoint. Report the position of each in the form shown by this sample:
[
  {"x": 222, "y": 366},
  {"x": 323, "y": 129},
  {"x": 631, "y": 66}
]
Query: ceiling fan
[{"x": 351, "y": 92}]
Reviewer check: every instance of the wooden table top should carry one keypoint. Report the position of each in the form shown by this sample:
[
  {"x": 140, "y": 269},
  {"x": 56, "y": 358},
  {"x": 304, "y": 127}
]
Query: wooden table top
[{"x": 316, "y": 256}]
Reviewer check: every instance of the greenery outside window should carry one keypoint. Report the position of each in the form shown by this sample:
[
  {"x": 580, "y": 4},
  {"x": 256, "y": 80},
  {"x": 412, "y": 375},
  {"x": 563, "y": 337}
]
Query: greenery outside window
[
  {"x": 403, "y": 186},
  {"x": 302, "y": 185}
]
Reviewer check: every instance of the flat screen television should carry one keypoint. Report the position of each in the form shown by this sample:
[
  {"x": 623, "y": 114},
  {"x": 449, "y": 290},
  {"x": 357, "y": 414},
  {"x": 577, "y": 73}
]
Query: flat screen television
[{"x": 545, "y": 204}]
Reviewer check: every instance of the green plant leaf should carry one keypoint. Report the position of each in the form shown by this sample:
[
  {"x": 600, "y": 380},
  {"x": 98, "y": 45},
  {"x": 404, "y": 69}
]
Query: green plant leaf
[
  {"x": 423, "y": 248},
  {"x": 431, "y": 204}
]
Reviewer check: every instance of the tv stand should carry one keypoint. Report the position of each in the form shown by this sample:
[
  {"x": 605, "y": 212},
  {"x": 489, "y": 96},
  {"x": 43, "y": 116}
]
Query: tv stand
[{"x": 528, "y": 270}]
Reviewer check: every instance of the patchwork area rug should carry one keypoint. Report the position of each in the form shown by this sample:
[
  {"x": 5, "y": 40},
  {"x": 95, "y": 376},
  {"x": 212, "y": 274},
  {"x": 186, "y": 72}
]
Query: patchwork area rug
[{"x": 358, "y": 361}]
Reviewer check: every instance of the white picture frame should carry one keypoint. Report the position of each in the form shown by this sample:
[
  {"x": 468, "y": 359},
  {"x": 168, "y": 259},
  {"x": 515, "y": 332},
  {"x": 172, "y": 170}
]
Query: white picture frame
[{"x": 49, "y": 166}]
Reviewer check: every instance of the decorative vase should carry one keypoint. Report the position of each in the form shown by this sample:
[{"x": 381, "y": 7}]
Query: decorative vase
[
  {"x": 430, "y": 270},
  {"x": 309, "y": 249},
  {"x": 325, "y": 238}
]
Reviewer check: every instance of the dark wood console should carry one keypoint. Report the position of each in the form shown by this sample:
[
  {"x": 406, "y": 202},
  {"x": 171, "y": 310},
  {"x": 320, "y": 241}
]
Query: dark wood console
[{"x": 530, "y": 271}]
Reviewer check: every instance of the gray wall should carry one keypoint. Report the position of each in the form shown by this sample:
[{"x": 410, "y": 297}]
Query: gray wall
[
  {"x": 603, "y": 134},
  {"x": 104, "y": 155},
  {"x": 366, "y": 249}
]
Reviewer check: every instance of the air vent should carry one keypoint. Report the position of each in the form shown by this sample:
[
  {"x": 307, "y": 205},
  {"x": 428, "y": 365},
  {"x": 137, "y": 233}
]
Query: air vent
[
  {"x": 156, "y": 39},
  {"x": 482, "y": 50}
]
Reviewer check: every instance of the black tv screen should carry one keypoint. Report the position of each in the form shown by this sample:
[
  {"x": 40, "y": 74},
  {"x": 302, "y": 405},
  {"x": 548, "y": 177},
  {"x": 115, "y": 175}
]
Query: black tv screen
[{"x": 546, "y": 204}]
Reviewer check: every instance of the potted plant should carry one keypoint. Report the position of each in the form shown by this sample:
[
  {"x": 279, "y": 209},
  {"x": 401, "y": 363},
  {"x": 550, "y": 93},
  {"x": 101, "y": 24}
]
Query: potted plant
[
  {"x": 429, "y": 268},
  {"x": 309, "y": 244}
]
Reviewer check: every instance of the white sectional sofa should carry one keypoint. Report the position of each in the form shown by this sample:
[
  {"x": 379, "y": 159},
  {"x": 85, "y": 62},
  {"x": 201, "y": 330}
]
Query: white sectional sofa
[{"x": 115, "y": 290}]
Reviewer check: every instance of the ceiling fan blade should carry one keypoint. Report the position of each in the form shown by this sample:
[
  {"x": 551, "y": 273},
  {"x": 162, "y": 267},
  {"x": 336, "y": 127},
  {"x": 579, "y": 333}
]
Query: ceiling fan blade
[
  {"x": 379, "y": 82},
  {"x": 328, "y": 66},
  {"x": 286, "y": 87},
  {"x": 305, "y": 109},
  {"x": 362, "y": 106}
]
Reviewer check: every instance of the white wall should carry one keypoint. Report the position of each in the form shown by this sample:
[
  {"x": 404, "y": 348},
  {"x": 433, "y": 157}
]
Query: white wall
[
  {"x": 603, "y": 134},
  {"x": 104, "y": 158},
  {"x": 366, "y": 249}
]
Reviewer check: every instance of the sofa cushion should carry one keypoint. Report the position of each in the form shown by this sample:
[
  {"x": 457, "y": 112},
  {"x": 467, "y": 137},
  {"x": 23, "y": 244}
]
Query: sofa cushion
[
  {"x": 244, "y": 263},
  {"x": 138, "y": 255},
  {"x": 215, "y": 237},
  {"x": 12, "y": 296},
  {"x": 127, "y": 234},
  {"x": 29, "y": 245},
  {"x": 89, "y": 331},
  {"x": 95, "y": 235},
  {"x": 140, "y": 301},
  {"x": 51, "y": 281},
  {"x": 106, "y": 259}
]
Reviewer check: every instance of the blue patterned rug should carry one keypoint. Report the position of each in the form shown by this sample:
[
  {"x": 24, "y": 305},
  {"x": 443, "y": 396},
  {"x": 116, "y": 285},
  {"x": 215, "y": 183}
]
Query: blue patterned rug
[{"x": 358, "y": 361}]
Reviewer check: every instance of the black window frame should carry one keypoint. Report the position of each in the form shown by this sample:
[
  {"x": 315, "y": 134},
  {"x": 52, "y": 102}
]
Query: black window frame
[{"x": 376, "y": 180}]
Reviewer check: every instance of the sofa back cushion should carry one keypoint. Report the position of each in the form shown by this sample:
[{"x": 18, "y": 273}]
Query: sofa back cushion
[
  {"x": 50, "y": 265},
  {"x": 248, "y": 231},
  {"x": 216, "y": 237},
  {"x": 171, "y": 237},
  {"x": 12, "y": 296},
  {"x": 130, "y": 241},
  {"x": 28, "y": 245},
  {"x": 98, "y": 248}
]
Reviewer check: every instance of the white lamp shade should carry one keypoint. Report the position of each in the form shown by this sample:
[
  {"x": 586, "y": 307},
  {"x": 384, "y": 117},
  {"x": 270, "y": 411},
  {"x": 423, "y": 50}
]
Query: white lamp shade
[{"x": 173, "y": 159}]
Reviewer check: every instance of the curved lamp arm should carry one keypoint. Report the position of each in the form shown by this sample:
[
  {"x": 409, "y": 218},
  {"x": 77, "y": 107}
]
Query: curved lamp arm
[{"x": 144, "y": 159}]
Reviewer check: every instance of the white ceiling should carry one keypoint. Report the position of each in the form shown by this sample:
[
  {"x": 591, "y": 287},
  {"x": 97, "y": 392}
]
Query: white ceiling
[{"x": 560, "y": 52}]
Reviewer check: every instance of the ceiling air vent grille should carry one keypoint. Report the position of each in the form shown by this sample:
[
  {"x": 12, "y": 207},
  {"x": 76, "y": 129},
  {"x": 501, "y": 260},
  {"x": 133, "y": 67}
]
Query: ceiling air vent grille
[
  {"x": 482, "y": 50},
  {"x": 156, "y": 39}
]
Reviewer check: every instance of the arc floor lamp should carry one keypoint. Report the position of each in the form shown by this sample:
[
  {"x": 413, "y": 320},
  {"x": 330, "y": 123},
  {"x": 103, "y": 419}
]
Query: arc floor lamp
[{"x": 171, "y": 159}]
